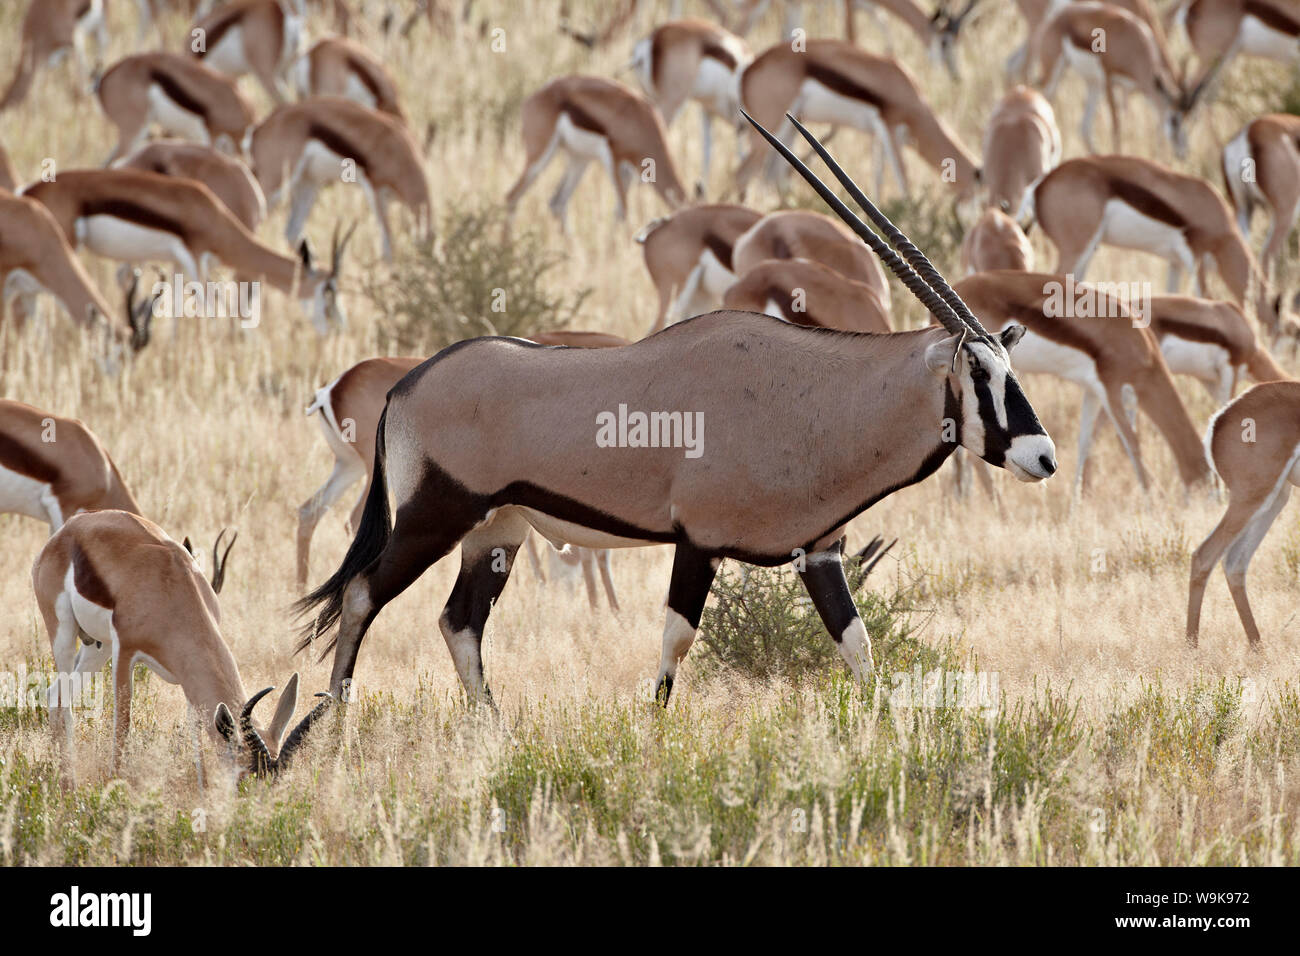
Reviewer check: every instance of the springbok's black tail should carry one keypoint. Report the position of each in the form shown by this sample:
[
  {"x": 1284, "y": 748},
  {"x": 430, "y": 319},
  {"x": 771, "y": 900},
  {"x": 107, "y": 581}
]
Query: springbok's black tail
[{"x": 371, "y": 538}]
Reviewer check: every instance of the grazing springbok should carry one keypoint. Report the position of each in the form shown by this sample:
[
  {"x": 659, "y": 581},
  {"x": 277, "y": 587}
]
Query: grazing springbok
[
  {"x": 688, "y": 256},
  {"x": 591, "y": 118},
  {"x": 808, "y": 293},
  {"x": 53, "y": 467},
  {"x": 695, "y": 60},
  {"x": 1111, "y": 48},
  {"x": 937, "y": 31},
  {"x": 1038, "y": 12},
  {"x": 1221, "y": 29},
  {"x": 50, "y": 29},
  {"x": 865, "y": 414},
  {"x": 1211, "y": 342},
  {"x": 1021, "y": 145},
  {"x": 262, "y": 37},
  {"x": 1138, "y": 204},
  {"x": 1255, "y": 445},
  {"x": 996, "y": 241},
  {"x": 337, "y": 66},
  {"x": 349, "y": 409},
  {"x": 229, "y": 179},
  {"x": 179, "y": 94},
  {"x": 1093, "y": 341},
  {"x": 303, "y": 147},
  {"x": 1261, "y": 167},
  {"x": 835, "y": 82},
  {"x": 132, "y": 215},
  {"x": 112, "y": 586}
]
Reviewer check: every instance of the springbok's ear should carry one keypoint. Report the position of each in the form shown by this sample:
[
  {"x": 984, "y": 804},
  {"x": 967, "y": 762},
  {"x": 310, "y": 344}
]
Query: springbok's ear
[
  {"x": 304, "y": 253},
  {"x": 939, "y": 356},
  {"x": 1011, "y": 335},
  {"x": 188, "y": 547},
  {"x": 225, "y": 723},
  {"x": 283, "y": 712}
]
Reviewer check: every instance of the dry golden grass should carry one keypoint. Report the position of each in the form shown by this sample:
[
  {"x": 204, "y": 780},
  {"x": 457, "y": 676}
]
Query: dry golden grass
[{"x": 1159, "y": 762}]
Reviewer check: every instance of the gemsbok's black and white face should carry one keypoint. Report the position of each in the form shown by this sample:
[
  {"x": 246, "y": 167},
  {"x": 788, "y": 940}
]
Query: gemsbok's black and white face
[{"x": 997, "y": 422}]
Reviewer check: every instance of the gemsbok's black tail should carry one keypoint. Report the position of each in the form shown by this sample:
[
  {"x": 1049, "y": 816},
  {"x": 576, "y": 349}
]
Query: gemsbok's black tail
[{"x": 371, "y": 537}]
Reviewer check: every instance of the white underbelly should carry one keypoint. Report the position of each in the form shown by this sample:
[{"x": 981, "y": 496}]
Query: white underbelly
[
  {"x": 24, "y": 495},
  {"x": 560, "y": 533},
  {"x": 1237, "y": 161},
  {"x": 228, "y": 55},
  {"x": 582, "y": 142},
  {"x": 1201, "y": 360},
  {"x": 715, "y": 278},
  {"x": 95, "y": 620},
  {"x": 820, "y": 104},
  {"x": 1086, "y": 63},
  {"x": 1037, "y": 355},
  {"x": 1124, "y": 226},
  {"x": 318, "y": 163},
  {"x": 1259, "y": 39},
  {"x": 716, "y": 87},
  {"x": 174, "y": 119},
  {"x": 359, "y": 92},
  {"x": 125, "y": 241}
]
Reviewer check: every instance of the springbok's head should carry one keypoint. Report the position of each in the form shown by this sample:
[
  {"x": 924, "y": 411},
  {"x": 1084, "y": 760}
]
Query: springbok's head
[
  {"x": 219, "y": 558},
  {"x": 996, "y": 421},
  {"x": 266, "y": 748},
  {"x": 319, "y": 289},
  {"x": 1180, "y": 100},
  {"x": 944, "y": 27}
]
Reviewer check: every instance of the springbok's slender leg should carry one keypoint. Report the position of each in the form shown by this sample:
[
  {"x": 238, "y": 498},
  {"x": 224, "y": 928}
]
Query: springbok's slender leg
[
  {"x": 606, "y": 578},
  {"x": 486, "y": 557},
  {"x": 302, "y": 197},
  {"x": 688, "y": 589},
  {"x": 1237, "y": 560},
  {"x": 345, "y": 473},
  {"x": 587, "y": 559},
  {"x": 559, "y": 203},
  {"x": 123, "y": 687},
  {"x": 1240, "y": 510},
  {"x": 823, "y": 576}
]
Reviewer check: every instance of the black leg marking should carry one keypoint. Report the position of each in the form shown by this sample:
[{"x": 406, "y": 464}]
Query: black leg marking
[{"x": 688, "y": 590}]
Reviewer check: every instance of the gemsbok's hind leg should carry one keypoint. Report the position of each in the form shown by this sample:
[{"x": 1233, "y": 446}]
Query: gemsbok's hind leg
[
  {"x": 486, "y": 556},
  {"x": 823, "y": 576},
  {"x": 688, "y": 589}
]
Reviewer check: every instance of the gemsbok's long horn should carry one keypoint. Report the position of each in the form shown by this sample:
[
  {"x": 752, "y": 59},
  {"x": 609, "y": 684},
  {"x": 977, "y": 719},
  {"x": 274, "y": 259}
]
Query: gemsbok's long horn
[
  {"x": 931, "y": 299},
  {"x": 914, "y": 256}
]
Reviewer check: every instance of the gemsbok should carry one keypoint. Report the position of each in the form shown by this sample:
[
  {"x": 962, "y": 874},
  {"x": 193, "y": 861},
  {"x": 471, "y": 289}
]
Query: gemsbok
[
  {"x": 131, "y": 215},
  {"x": 1255, "y": 446},
  {"x": 693, "y": 60},
  {"x": 112, "y": 586},
  {"x": 304, "y": 147},
  {"x": 262, "y": 37},
  {"x": 589, "y": 118},
  {"x": 50, "y": 29},
  {"x": 230, "y": 179},
  {"x": 1261, "y": 167},
  {"x": 830, "y": 81},
  {"x": 337, "y": 66},
  {"x": 1139, "y": 204},
  {"x": 179, "y": 94},
  {"x": 864, "y": 414}
]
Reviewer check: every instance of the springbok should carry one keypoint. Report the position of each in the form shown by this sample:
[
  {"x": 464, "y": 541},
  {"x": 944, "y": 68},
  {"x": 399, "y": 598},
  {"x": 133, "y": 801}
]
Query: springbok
[
  {"x": 830, "y": 81},
  {"x": 303, "y": 147},
  {"x": 179, "y": 94},
  {"x": 590, "y": 118},
  {"x": 229, "y": 179},
  {"x": 118, "y": 586},
  {"x": 696, "y": 60},
  {"x": 1220, "y": 29},
  {"x": 1109, "y": 48},
  {"x": 938, "y": 31},
  {"x": 132, "y": 215},
  {"x": 1138, "y": 204},
  {"x": 337, "y": 66},
  {"x": 808, "y": 293},
  {"x": 1038, "y": 12},
  {"x": 53, "y": 467},
  {"x": 773, "y": 394},
  {"x": 50, "y": 29},
  {"x": 688, "y": 256},
  {"x": 262, "y": 37},
  {"x": 797, "y": 234},
  {"x": 1261, "y": 167},
  {"x": 996, "y": 241},
  {"x": 1022, "y": 144},
  {"x": 1255, "y": 445}
]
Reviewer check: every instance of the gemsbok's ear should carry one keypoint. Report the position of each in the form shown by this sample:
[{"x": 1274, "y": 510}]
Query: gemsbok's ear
[
  {"x": 1011, "y": 335},
  {"x": 188, "y": 547},
  {"x": 939, "y": 357},
  {"x": 283, "y": 712},
  {"x": 225, "y": 723}
]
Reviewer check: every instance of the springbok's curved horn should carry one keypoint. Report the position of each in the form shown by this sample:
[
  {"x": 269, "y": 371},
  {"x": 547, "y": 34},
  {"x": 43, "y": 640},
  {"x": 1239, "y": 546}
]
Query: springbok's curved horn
[
  {"x": 931, "y": 299},
  {"x": 914, "y": 256},
  {"x": 219, "y": 562},
  {"x": 261, "y": 757},
  {"x": 295, "y": 738},
  {"x": 338, "y": 246}
]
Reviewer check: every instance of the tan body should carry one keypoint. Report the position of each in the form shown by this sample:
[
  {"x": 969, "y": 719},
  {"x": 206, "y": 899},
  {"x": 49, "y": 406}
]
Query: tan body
[
  {"x": 1138, "y": 204},
  {"x": 689, "y": 258},
  {"x": 179, "y": 94},
  {"x": 50, "y": 29},
  {"x": 52, "y": 467},
  {"x": 996, "y": 241},
  {"x": 808, "y": 293},
  {"x": 1261, "y": 167},
  {"x": 1021, "y": 145},
  {"x": 835, "y": 82},
  {"x": 1212, "y": 342},
  {"x": 1221, "y": 29},
  {"x": 589, "y": 118},
  {"x": 1255, "y": 446},
  {"x": 304, "y": 147},
  {"x": 262, "y": 37},
  {"x": 228, "y": 178},
  {"x": 937, "y": 31},
  {"x": 1036, "y": 17},
  {"x": 337, "y": 66}
]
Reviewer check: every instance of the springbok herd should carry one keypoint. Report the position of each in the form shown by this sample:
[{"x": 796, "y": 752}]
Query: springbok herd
[{"x": 757, "y": 430}]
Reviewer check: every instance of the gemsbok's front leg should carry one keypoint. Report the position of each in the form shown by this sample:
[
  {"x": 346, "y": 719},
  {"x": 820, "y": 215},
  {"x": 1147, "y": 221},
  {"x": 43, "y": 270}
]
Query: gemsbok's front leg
[
  {"x": 688, "y": 590},
  {"x": 823, "y": 576}
]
